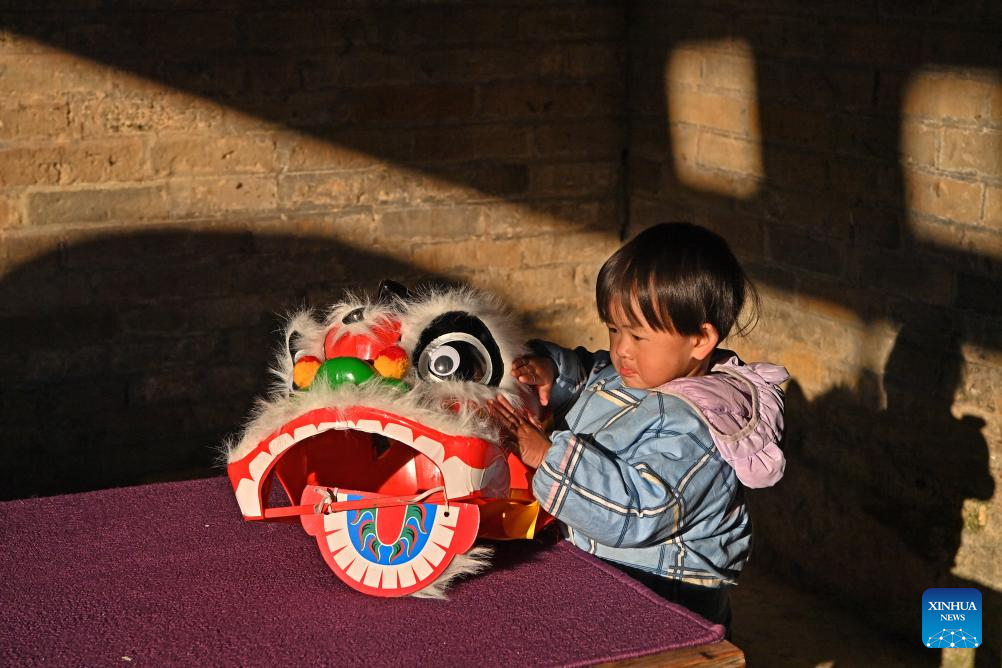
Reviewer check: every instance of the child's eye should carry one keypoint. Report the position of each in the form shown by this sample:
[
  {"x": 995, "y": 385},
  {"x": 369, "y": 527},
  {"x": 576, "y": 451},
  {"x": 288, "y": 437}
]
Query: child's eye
[{"x": 612, "y": 330}]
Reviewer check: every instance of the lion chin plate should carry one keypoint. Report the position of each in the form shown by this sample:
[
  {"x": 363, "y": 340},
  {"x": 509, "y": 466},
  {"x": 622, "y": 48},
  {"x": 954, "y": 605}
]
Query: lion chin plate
[{"x": 377, "y": 435}]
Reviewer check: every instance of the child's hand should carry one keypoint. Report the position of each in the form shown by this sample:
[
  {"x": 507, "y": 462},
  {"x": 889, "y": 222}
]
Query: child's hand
[
  {"x": 532, "y": 442},
  {"x": 536, "y": 370}
]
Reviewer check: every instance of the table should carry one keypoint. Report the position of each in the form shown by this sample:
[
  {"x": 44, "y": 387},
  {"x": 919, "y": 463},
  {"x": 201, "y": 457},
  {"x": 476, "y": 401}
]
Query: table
[{"x": 170, "y": 574}]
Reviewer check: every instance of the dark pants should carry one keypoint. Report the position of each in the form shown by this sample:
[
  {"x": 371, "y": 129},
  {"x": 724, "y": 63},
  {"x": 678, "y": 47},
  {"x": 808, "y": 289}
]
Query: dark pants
[{"x": 713, "y": 603}]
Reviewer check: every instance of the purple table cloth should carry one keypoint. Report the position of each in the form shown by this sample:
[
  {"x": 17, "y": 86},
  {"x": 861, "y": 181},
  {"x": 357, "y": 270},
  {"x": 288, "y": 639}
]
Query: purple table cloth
[{"x": 171, "y": 574}]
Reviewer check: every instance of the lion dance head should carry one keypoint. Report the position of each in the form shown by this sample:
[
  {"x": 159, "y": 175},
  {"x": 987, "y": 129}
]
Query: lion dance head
[{"x": 376, "y": 432}]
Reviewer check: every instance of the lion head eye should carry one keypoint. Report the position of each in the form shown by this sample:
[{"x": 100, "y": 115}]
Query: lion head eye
[
  {"x": 457, "y": 346},
  {"x": 356, "y": 315}
]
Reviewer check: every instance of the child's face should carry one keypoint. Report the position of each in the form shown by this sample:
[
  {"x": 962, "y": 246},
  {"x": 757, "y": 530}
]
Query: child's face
[{"x": 647, "y": 358}]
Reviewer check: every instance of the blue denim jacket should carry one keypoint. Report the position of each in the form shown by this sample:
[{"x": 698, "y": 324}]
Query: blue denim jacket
[{"x": 636, "y": 479}]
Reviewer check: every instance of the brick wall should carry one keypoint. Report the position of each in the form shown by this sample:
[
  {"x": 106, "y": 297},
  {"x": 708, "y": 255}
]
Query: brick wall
[
  {"x": 852, "y": 152},
  {"x": 172, "y": 179}
]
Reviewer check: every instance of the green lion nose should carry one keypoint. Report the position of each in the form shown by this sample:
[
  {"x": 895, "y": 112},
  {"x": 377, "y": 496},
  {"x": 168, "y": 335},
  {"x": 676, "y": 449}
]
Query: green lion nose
[{"x": 340, "y": 370}]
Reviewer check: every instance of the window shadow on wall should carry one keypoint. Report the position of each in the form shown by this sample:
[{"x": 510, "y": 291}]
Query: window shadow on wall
[{"x": 129, "y": 358}]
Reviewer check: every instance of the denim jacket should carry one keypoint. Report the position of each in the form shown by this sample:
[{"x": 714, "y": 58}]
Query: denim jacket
[{"x": 636, "y": 476}]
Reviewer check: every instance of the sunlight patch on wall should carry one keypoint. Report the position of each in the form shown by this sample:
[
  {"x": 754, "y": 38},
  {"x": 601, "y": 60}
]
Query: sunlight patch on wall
[
  {"x": 713, "y": 118},
  {"x": 951, "y": 159}
]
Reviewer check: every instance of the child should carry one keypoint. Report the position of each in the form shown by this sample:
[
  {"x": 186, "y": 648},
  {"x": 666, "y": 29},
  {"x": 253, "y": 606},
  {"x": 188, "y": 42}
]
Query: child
[{"x": 658, "y": 434}]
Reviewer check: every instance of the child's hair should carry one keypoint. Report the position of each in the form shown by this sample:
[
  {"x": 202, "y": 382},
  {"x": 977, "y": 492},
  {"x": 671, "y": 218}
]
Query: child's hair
[{"x": 679, "y": 275}]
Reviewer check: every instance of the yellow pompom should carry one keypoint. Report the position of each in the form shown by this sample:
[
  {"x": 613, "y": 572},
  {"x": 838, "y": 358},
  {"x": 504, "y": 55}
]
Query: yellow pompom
[{"x": 391, "y": 362}]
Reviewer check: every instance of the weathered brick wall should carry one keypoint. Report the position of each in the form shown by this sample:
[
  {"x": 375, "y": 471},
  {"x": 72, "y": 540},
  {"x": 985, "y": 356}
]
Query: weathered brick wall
[
  {"x": 173, "y": 178},
  {"x": 852, "y": 152}
]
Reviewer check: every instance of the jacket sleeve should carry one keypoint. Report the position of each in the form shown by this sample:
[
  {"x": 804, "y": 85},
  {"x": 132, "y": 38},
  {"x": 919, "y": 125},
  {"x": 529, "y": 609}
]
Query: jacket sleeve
[
  {"x": 573, "y": 368},
  {"x": 634, "y": 483}
]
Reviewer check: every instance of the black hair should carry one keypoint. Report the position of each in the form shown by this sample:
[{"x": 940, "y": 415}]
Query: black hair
[{"x": 679, "y": 276}]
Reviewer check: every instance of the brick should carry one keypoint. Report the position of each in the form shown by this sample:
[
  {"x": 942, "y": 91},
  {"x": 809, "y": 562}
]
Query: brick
[
  {"x": 546, "y": 100},
  {"x": 734, "y": 72},
  {"x": 191, "y": 155},
  {"x": 790, "y": 125},
  {"x": 733, "y": 155},
  {"x": 979, "y": 293},
  {"x": 10, "y": 210},
  {"x": 471, "y": 143},
  {"x": 684, "y": 147},
  {"x": 215, "y": 76},
  {"x": 872, "y": 44},
  {"x": 594, "y": 179},
  {"x": 796, "y": 168},
  {"x": 560, "y": 23},
  {"x": 363, "y": 67},
  {"x": 69, "y": 207},
  {"x": 388, "y": 104},
  {"x": 487, "y": 179},
  {"x": 708, "y": 110},
  {"x": 446, "y": 222},
  {"x": 940, "y": 96},
  {"x": 67, "y": 164},
  {"x": 22, "y": 120},
  {"x": 580, "y": 61},
  {"x": 868, "y": 136},
  {"x": 19, "y": 249},
  {"x": 283, "y": 31},
  {"x": 795, "y": 249},
  {"x": 744, "y": 233},
  {"x": 537, "y": 287},
  {"x": 644, "y": 175},
  {"x": 919, "y": 143},
  {"x": 823, "y": 87},
  {"x": 685, "y": 66},
  {"x": 159, "y": 111},
  {"x": 595, "y": 139},
  {"x": 196, "y": 32},
  {"x": 993, "y": 208},
  {"x": 834, "y": 300},
  {"x": 909, "y": 276},
  {"x": 472, "y": 253},
  {"x": 877, "y": 227},
  {"x": 559, "y": 217},
  {"x": 995, "y": 102},
  {"x": 215, "y": 196},
  {"x": 51, "y": 74},
  {"x": 585, "y": 248},
  {"x": 479, "y": 64},
  {"x": 360, "y": 149},
  {"x": 972, "y": 151},
  {"x": 959, "y": 201}
]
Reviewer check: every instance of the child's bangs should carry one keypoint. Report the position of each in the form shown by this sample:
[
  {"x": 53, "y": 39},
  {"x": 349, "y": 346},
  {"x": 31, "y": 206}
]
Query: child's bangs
[{"x": 623, "y": 290}]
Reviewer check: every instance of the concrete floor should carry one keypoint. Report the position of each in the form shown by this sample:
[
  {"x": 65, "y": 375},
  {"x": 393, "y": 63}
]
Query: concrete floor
[{"x": 780, "y": 626}]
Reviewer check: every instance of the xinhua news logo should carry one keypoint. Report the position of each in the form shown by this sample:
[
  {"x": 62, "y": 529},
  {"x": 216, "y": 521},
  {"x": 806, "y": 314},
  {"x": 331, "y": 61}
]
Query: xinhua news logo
[{"x": 951, "y": 618}]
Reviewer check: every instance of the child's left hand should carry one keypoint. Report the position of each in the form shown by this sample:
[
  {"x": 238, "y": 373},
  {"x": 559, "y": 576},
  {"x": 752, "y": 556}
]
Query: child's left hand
[{"x": 532, "y": 442}]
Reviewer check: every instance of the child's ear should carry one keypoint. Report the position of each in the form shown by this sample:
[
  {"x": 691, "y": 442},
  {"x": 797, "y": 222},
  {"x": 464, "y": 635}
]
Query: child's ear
[{"x": 705, "y": 341}]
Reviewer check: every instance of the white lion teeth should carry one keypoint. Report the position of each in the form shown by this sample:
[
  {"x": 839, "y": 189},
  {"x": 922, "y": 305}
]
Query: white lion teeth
[
  {"x": 398, "y": 432},
  {"x": 260, "y": 464},
  {"x": 430, "y": 448},
  {"x": 280, "y": 444},
  {"x": 248, "y": 498},
  {"x": 304, "y": 432}
]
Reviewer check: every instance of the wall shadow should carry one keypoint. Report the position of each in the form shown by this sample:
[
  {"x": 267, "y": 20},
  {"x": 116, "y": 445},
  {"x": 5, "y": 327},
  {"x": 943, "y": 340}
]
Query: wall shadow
[{"x": 129, "y": 358}]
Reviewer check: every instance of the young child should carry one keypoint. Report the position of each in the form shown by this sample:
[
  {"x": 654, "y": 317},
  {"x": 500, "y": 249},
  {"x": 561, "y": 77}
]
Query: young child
[{"x": 658, "y": 434}]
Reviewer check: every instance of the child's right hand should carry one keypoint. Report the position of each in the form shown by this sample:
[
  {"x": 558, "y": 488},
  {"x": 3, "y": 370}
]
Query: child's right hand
[{"x": 536, "y": 370}]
